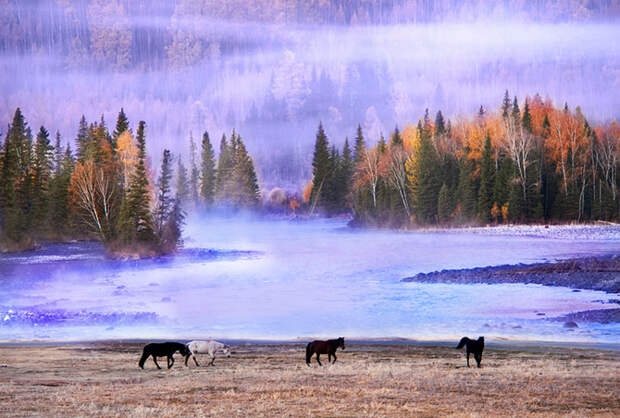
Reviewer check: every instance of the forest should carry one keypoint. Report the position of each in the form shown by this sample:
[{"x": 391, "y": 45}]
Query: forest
[
  {"x": 106, "y": 189},
  {"x": 273, "y": 69},
  {"x": 522, "y": 163},
  {"x": 532, "y": 163}
]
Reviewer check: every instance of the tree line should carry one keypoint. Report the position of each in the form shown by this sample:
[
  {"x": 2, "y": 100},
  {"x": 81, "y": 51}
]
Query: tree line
[
  {"x": 532, "y": 164},
  {"x": 106, "y": 188}
]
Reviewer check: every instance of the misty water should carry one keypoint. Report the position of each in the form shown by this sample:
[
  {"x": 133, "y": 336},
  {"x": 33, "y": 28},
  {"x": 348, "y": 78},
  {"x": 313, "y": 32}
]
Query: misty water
[{"x": 244, "y": 278}]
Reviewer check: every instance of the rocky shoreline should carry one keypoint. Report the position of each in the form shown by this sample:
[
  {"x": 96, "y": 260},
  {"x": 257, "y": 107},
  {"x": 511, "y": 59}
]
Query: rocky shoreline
[{"x": 587, "y": 273}]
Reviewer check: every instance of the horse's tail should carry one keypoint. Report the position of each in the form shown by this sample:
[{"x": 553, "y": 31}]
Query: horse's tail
[
  {"x": 145, "y": 355},
  {"x": 462, "y": 343},
  {"x": 308, "y": 353}
]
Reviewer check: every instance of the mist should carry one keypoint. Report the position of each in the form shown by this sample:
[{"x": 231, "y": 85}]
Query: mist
[{"x": 185, "y": 73}]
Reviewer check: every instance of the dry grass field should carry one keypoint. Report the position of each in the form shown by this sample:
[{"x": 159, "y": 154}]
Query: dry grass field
[{"x": 103, "y": 379}]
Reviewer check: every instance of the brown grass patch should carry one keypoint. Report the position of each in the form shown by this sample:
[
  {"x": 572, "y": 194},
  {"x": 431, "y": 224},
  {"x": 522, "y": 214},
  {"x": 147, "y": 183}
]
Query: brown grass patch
[{"x": 104, "y": 380}]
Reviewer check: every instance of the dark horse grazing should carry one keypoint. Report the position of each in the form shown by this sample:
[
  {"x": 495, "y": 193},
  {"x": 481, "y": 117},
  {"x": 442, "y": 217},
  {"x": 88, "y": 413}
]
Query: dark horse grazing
[
  {"x": 328, "y": 347},
  {"x": 473, "y": 346},
  {"x": 162, "y": 350}
]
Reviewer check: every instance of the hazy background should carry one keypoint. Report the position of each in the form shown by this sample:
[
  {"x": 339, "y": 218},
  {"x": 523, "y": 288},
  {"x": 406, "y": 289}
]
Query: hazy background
[{"x": 273, "y": 69}]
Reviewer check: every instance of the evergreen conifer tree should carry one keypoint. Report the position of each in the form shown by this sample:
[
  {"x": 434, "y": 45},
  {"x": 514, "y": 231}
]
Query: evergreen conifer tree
[
  {"x": 516, "y": 112},
  {"x": 194, "y": 187},
  {"x": 506, "y": 106},
  {"x": 440, "y": 125},
  {"x": 466, "y": 191},
  {"x": 321, "y": 167},
  {"x": 426, "y": 185},
  {"x": 487, "y": 180},
  {"x": 224, "y": 166},
  {"x": 59, "y": 194},
  {"x": 360, "y": 146},
  {"x": 245, "y": 191},
  {"x": 122, "y": 124},
  {"x": 526, "y": 120},
  {"x": 207, "y": 168},
  {"x": 82, "y": 138},
  {"x": 182, "y": 186},
  {"x": 165, "y": 201},
  {"x": 396, "y": 139},
  {"x": 445, "y": 205},
  {"x": 138, "y": 197},
  {"x": 42, "y": 165}
]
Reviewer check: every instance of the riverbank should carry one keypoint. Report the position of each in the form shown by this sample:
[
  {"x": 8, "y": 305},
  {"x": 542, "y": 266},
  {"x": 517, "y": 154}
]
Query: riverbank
[
  {"x": 103, "y": 379},
  {"x": 587, "y": 273}
]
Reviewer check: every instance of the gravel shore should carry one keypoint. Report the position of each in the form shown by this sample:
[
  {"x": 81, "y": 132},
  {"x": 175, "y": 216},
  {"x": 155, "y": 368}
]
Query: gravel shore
[{"x": 588, "y": 273}]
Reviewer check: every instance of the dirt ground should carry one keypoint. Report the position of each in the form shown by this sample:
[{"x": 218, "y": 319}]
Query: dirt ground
[{"x": 103, "y": 379}]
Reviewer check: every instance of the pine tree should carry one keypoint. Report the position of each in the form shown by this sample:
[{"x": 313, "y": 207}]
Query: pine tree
[
  {"x": 58, "y": 155},
  {"x": 16, "y": 182},
  {"x": 440, "y": 126},
  {"x": 381, "y": 145},
  {"x": 321, "y": 167},
  {"x": 182, "y": 186},
  {"x": 224, "y": 166},
  {"x": 487, "y": 180},
  {"x": 506, "y": 105},
  {"x": 526, "y": 120},
  {"x": 59, "y": 194},
  {"x": 171, "y": 238},
  {"x": 208, "y": 175},
  {"x": 347, "y": 170},
  {"x": 122, "y": 124},
  {"x": 516, "y": 112},
  {"x": 332, "y": 192},
  {"x": 426, "y": 184},
  {"x": 396, "y": 139},
  {"x": 445, "y": 205},
  {"x": 194, "y": 172},
  {"x": 138, "y": 198},
  {"x": 466, "y": 191},
  {"x": 82, "y": 138},
  {"x": 245, "y": 191},
  {"x": 503, "y": 177},
  {"x": 164, "y": 202},
  {"x": 42, "y": 166},
  {"x": 360, "y": 146}
]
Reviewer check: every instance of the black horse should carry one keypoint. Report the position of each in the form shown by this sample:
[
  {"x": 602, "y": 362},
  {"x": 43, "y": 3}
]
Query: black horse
[
  {"x": 328, "y": 347},
  {"x": 473, "y": 346},
  {"x": 162, "y": 350}
]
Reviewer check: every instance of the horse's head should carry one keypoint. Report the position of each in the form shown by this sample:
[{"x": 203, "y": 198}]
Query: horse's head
[
  {"x": 341, "y": 342},
  {"x": 226, "y": 351}
]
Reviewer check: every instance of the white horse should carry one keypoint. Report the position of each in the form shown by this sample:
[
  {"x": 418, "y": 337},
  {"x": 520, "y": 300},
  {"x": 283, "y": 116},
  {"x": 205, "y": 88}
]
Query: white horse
[{"x": 206, "y": 347}]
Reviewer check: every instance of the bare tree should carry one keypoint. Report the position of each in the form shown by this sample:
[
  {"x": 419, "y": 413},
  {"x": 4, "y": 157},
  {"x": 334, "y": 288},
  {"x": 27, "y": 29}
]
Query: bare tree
[{"x": 93, "y": 191}]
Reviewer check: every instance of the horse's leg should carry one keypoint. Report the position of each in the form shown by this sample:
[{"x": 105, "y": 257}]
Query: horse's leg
[
  {"x": 212, "y": 359},
  {"x": 478, "y": 358},
  {"x": 170, "y": 361},
  {"x": 335, "y": 358},
  {"x": 329, "y": 357},
  {"x": 467, "y": 358},
  {"x": 155, "y": 360},
  {"x": 318, "y": 359},
  {"x": 195, "y": 361}
]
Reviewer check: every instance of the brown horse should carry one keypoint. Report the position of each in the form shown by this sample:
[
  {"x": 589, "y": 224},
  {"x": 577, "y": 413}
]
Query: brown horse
[{"x": 328, "y": 347}]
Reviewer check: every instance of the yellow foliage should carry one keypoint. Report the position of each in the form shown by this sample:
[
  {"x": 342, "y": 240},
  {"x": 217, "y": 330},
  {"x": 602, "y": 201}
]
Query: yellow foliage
[
  {"x": 308, "y": 191},
  {"x": 411, "y": 139},
  {"x": 127, "y": 153},
  {"x": 505, "y": 212},
  {"x": 494, "y": 212}
]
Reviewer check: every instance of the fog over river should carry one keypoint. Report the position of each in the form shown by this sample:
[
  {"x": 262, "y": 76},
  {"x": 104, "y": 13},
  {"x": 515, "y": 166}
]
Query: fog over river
[{"x": 247, "y": 278}]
